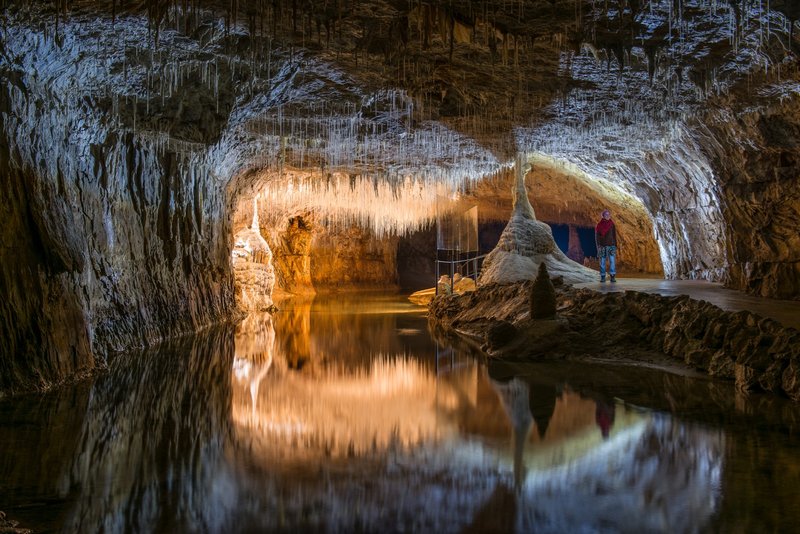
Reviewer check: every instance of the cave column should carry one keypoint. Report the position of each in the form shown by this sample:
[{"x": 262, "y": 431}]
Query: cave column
[{"x": 574, "y": 250}]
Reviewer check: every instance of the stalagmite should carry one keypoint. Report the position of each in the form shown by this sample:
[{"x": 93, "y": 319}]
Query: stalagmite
[
  {"x": 526, "y": 243},
  {"x": 575, "y": 250}
]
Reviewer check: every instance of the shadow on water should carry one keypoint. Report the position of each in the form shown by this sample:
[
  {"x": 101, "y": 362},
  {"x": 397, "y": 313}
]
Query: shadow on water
[{"x": 341, "y": 414}]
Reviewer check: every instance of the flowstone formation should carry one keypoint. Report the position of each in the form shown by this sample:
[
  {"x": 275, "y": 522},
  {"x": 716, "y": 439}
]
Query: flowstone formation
[
  {"x": 526, "y": 243},
  {"x": 253, "y": 273}
]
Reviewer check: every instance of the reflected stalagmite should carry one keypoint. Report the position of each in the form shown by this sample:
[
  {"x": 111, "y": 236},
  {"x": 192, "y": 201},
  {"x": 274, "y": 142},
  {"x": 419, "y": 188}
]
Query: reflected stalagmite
[{"x": 221, "y": 434}]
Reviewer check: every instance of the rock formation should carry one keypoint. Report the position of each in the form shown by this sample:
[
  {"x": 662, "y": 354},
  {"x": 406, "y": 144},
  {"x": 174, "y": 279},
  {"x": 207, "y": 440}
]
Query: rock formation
[
  {"x": 128, "y": 140},
  {"x": 526, "y": 243},
  {"x": 8, "y": 526},
  {"x": 253, "y": 273},
  {"x": 543, "y": 295},
  {"x": 758, "y": 353},
  {"x": 293, "y": 256},
  {"x": 353, "y": 259}
]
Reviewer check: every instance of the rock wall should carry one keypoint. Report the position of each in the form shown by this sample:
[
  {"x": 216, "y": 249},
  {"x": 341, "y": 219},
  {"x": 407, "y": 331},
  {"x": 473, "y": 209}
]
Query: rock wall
[
  {"x": 309, "y": 257},
  {"x": 111, "y": 239},
  {"x": 757, "y": 157},
  {"x": 353, "y": 258},
  {"x": 291, "y": 248}
]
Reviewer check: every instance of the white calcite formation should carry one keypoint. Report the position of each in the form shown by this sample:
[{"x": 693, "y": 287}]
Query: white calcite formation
[
  {"x": 124, "y": 159},
  {"x": 526, "y": 243},
  {"x": 253, "y": 273}
]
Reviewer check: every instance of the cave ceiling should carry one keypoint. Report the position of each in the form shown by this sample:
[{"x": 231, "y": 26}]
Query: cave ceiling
[
  {"x": 393, "y": 87},
  {"x": 340, "y": 98}
]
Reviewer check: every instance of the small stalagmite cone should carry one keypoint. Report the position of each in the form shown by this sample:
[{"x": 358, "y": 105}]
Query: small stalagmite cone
[{"x": 543, "y": 295}]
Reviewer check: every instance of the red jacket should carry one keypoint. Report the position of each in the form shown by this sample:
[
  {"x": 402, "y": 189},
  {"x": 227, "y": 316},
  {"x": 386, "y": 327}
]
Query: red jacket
[{"x": 605, "y": 233}]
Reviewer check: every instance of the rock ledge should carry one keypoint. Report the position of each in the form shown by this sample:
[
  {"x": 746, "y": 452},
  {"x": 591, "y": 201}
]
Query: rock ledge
[{"x": 758, "y": 353}]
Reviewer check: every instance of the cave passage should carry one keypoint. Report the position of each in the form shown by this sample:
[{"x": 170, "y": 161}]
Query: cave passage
[
  {"x": 216, "y": 217},
  {"x": 295, "y": 236}
]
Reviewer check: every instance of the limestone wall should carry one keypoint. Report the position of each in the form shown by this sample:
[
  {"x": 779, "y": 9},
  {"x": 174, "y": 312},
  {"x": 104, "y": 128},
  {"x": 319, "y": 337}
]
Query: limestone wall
[{"x": 111, "y": 237}]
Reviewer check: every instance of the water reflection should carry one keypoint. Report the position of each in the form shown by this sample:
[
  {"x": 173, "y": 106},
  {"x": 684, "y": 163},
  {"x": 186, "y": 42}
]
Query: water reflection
[
  {"x": 395, "y": 423},
  {"x": 649, "y": 474},
  {"x": 255, "y": 345},
  {"x": 146, "y": 444},
  {"x": 338, "y": 416},
  {"x": 362, "y": 404}
]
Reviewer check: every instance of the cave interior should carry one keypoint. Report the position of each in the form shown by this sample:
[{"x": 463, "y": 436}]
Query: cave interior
[{"x": 168, "y": 165}]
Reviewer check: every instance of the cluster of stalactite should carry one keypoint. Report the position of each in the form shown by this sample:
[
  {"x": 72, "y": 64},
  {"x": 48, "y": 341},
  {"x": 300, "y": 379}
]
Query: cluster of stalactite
[{"x": 509, "y": 42}]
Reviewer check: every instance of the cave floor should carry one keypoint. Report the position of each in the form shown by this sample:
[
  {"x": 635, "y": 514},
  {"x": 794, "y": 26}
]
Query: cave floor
[{"x": 787, "y": 312}]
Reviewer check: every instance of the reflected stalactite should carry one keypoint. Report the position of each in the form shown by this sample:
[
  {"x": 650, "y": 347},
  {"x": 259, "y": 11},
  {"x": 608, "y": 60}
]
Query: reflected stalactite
[{"x": 515, "y": 396}]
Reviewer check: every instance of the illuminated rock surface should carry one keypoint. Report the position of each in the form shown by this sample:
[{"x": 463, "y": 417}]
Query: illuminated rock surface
[{"x": 129, "y": 147}]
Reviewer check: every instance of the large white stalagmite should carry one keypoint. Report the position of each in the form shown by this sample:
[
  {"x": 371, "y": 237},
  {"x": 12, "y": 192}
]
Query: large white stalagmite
[
  {"x": 525, "y": 243},
  {"x": 253, "y": 273}
]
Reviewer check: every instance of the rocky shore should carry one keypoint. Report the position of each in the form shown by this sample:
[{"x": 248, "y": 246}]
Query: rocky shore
[
  {"x": 8, "y": 526},
  {"x": 678, "y": 333}
]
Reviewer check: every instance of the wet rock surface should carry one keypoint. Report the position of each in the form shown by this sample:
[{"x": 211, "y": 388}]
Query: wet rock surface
[
  {"x": 292, "y": 256},
  {"x": 126, "y": 140},
  {"x": 310, "y": 258},
  {"x": 353, "y": 258},
  {"x": 761, "y": 191},
  {"x": 7, "y": 526},
  {"x": 638, "y": 328}
]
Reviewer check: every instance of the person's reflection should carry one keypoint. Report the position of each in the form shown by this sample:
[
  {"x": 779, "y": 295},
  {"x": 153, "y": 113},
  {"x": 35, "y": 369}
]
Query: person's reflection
[{"x": 604, "y": 417}]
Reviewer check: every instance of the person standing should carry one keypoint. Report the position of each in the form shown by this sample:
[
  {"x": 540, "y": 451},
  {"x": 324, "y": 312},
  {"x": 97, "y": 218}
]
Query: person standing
[{"x": 605, "y": 235}]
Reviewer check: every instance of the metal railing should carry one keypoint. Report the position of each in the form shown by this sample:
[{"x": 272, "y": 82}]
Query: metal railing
[{"x": 467, "y": 267}]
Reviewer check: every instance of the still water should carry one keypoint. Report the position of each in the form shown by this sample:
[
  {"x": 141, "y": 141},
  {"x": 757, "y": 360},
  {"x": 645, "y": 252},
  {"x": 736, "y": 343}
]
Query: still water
[{"x": 344, "y": 415}]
